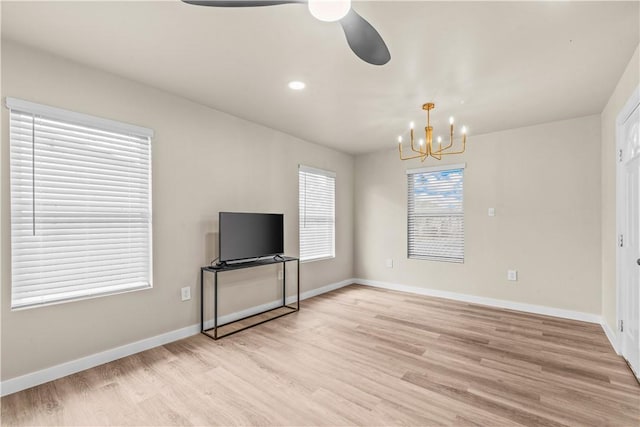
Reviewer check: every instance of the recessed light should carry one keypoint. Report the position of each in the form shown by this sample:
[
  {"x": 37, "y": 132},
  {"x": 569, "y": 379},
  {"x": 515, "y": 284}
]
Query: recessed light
[{"x": 296, "y": 85}]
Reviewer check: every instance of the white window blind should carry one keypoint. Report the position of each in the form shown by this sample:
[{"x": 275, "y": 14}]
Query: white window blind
[
  {"x": 80, "y": 205},
  {"x": 435, "y": 213},
  {"x": 317, "y": 213}
]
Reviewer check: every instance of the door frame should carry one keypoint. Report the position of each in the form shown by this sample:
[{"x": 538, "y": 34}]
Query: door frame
[{"x": 624, "y": 113}]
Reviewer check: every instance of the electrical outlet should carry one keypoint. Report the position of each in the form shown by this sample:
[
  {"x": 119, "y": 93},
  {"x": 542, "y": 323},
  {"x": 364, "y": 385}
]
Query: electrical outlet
[
  {"x": 512, "y": 275},
  {"x": 186, "y": 293},
  {"x": 389, "y": 263},
  {"x": 279, "y": 274}
]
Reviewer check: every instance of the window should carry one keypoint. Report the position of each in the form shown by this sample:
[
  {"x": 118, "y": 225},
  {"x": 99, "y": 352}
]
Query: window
[
  {"x": 80, "y": 205},
  {"x": 435, "y": 213},
  {"x": 317, "y": 213}
]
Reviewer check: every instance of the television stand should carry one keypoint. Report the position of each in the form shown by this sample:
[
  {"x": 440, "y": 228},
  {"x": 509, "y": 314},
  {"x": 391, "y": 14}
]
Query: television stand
[{"x": 279, "y": 311}]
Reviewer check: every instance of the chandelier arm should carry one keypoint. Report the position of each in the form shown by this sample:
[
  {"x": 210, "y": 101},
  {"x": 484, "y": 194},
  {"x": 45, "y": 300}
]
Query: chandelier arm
[
  {"x": 464, "y": 147},
  {"x": 435, "y": 154},
  {"x": 451, "y": 134},
  {"x": 407, "y": 158},
  {"x": 441, "y": 150},
  {"x": 426, "y": 154},
  {"x": 413, "y": 147},
  {"x": 430, "y": 150},
  {"x": 410, "y": 157},
  {"x": 447, "y": 146}
]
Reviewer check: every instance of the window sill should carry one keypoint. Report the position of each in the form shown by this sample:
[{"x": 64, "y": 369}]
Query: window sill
[
  {"x": 304, "y": 261},
  {"x": 81, "y": 298}
]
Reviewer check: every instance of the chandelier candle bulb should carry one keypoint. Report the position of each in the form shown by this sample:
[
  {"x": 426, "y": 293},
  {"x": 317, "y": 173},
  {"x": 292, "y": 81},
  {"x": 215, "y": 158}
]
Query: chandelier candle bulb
[{"x": 451, "y": 120}]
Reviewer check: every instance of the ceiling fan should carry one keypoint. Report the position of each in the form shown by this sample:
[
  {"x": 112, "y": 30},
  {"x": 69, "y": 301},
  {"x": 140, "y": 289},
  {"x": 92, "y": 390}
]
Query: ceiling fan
[{"x": 362, "y": 38}]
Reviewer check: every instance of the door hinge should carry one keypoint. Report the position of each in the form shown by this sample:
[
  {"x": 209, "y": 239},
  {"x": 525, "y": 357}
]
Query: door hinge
[
  {"x": 622, "y": 326},
  {"x": 620, "y": 240},
  {"x": 619, "y": 155}
]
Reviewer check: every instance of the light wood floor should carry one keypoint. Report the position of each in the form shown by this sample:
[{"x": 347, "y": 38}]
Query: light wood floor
[{"x": 357, "y": 356}]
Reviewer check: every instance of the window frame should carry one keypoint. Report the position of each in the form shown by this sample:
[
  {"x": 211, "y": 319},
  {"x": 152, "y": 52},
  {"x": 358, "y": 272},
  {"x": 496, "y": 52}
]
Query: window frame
[
  {"x": 61, "y": 118},
  {"x": 328, "y": 174},
  {"x": 434, "y": 256}
]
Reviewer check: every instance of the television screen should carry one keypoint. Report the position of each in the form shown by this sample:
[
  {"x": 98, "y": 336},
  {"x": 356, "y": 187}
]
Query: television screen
[{"x": 250, "y": 235}]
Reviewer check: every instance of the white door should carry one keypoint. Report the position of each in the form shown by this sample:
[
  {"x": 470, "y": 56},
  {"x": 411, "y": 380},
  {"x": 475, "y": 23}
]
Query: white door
[{"x": 630, "y": 237}]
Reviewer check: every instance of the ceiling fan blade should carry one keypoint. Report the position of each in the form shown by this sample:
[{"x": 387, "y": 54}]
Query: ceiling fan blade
[
  {"x": 240, "y": 3},
  {"x": 364, "y": 40}
]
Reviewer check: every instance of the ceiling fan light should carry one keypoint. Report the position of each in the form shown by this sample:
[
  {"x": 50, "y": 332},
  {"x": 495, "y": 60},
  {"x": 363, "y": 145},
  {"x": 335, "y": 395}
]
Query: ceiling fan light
[{"x": 329, "y": 10}]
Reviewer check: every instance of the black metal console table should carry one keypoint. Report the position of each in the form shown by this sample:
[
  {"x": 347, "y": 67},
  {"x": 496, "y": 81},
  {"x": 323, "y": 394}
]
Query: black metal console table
[{"x": 231, "y": 267}]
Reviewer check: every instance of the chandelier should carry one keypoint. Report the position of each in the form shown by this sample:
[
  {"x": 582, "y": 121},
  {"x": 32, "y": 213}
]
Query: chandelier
[{"x": 426, "y": 147}]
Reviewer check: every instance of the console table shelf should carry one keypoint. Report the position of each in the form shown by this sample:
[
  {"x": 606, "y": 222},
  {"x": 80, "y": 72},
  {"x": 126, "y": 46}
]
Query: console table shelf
[{"x": 281, "y": 310}]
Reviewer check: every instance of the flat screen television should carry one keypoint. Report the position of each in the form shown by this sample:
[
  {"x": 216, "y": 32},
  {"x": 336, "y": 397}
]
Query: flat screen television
[{"x": 250, "y": 235}]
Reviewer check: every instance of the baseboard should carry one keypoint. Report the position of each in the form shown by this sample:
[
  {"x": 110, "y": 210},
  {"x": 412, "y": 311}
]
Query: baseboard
[
  {"x": 611, "y": 335},
  {"x": 232, "y": 317},
  {"x": 511, "y": 305},
  {"x": 49, "y": 374},
  {"x": 324, "y": 289}
]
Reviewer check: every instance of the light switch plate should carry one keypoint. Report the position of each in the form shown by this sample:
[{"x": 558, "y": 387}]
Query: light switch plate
[
  {"x": 389, "y": 263},
  {"x": 186, "y": 293},
  {"x": 492, "y": 211},
  {"x": 512, "y": 275}
]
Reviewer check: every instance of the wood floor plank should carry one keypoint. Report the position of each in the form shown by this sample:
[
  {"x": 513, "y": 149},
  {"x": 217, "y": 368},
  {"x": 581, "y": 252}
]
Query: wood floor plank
[{"x": 357, "y": 356}]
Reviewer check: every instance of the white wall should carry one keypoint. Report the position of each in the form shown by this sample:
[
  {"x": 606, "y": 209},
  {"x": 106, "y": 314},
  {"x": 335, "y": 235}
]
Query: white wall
[
  {"x": 544, "y": 184},
  {"x": 204, "y": 161},
  {"x": 627, "y": 83}
]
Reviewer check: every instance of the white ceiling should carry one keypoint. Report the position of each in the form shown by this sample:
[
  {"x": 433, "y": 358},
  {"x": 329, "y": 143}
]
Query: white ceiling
[{"x": 512, "y": 63}]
